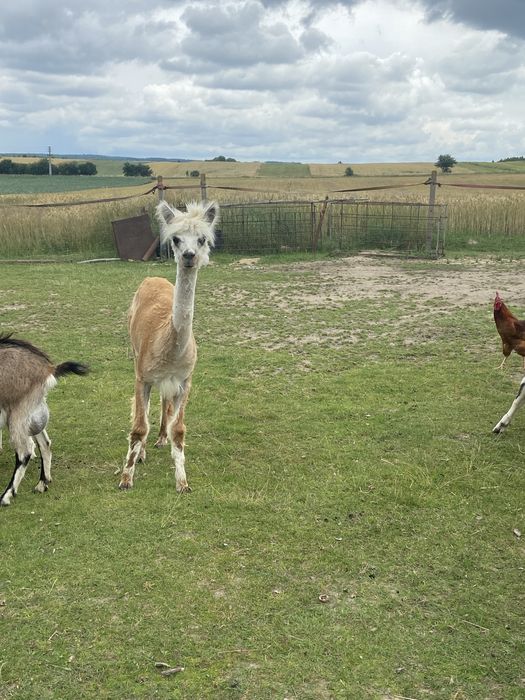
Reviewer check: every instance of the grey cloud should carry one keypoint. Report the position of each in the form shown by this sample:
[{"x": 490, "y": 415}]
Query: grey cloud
[
  {"x": 507, "y": 16},
  {"x": 234, "y": 35},
  {"x": 59, "y": 40},
  {"x": 314, "y": 40}
]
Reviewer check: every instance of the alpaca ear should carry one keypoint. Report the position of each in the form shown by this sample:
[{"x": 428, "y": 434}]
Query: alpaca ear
[
  {"x": 211, "y": 212},
  {"x": 165, "y": 213}
]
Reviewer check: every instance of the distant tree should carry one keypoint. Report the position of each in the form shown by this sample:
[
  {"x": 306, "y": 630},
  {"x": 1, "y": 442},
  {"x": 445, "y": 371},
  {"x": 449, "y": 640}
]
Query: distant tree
[
  {"x": 349, "y": 171},
  {"x": 446, "y": 163},
  {"x": 87, "y": 168},
  {"x": 223, "y": 159},
  {"x": 194, "y": 173},
  {"x": 137, "y": 169},
  {"x": 7, "y": 167},
  {"x": 69, "y": 167},
  {"x": 39, "y": 167}
]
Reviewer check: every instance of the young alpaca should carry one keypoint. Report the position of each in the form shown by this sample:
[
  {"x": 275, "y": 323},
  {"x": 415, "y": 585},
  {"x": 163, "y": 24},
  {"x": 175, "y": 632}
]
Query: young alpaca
[
  {"x": 516, "y": 404},
  {"x": 26, "y": 375},
  {"x": 160, "y": 328}
]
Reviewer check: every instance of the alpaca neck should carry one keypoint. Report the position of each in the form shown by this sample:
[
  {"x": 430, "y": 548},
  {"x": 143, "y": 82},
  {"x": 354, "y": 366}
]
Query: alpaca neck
[{"x": 183, "y": 304}]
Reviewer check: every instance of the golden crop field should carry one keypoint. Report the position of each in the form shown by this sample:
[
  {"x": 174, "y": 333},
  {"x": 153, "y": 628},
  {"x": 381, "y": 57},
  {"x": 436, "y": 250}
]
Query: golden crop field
[{"x": 473, "y": 213}]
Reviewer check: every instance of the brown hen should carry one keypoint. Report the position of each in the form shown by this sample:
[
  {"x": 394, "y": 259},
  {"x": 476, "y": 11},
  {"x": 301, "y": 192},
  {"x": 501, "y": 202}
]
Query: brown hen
[{"x": 511, "y": 330}]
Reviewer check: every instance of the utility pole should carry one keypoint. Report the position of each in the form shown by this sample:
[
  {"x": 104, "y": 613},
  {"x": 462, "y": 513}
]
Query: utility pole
[{"x": 49, "y": 160}]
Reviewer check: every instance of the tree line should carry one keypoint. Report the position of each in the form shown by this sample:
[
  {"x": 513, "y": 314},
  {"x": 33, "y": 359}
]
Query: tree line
[{"x": 41, "y": 167}]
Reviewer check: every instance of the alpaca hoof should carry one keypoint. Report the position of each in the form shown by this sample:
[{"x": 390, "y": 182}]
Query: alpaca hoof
[
  {"x": 161, "y": 442},
  {"x": 183, "y": 488},
  {"x": 125, "y": 485}
]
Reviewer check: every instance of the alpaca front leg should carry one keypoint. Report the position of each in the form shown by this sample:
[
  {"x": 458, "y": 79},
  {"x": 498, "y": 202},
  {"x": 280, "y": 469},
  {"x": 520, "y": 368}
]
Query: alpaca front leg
[
  {"x": 138, "y": 435},
  {"x": 21, "y": 461},
  {"x": 177, "y": 431},
  {"x": 44, "y": 447},
  {"x": 516, "y": 404}
]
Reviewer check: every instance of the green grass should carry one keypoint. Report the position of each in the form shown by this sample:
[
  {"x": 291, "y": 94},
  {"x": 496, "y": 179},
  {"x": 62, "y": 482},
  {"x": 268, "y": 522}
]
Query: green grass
[
  {"x": 508, "y": 166},
  {"x": 339, "y": 444},
  {"x": 37, "y": 184},
  {"x": 283, "y": 170}
]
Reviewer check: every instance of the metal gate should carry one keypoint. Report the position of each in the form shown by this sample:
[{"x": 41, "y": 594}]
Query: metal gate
[{"x": 332, "y": 225}]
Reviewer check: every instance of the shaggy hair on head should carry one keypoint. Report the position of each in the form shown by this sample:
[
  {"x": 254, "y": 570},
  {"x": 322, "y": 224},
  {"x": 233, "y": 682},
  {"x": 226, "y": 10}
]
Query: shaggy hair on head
[{"x": 198, "y": 220}]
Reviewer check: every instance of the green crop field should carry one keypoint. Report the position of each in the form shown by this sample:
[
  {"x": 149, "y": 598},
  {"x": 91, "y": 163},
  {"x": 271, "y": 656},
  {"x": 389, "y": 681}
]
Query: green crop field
[
  {"x": 283, "y": 170},
  {"x": 354, "y": 529},
  {"x": 39, "y": 184}
]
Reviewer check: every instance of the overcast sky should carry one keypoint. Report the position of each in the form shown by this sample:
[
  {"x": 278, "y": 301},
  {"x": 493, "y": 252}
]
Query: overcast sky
[{"x": 320, "y": 81}]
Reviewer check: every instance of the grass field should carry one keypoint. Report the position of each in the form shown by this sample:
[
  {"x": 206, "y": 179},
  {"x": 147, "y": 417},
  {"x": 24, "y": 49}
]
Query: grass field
[
  {"x": 38, "y": 184},
  {"x": 478, "y": 219},
  {"x": 339, "y": 450}
]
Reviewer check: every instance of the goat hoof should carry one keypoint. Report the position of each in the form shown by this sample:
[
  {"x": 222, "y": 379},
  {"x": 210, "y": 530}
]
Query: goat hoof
[
  {"x": 41, "y": 487},
  {"x": 125, "y": 485}
]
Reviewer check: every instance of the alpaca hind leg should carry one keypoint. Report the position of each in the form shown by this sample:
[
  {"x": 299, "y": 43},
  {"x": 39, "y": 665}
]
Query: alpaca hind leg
[
  {"x": 22, "y": 457},
  {"x": 138, "y": 435},
  {"x": 177, "y": 431},
  {"x": 166, "y": 413},
  {"x": 44, "y": 447},
  {"x": 504, "y": 422}
]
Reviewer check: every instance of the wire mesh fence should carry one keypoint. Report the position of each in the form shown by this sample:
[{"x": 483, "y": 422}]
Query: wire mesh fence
[{"x": 332, "y": 225}]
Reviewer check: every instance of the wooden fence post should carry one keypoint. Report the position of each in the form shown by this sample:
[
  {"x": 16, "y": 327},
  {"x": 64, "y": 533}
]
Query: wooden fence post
[
  {"x": 204, "y": 188},
  {"x": 317, "y": 232},
  {"x": 164, "y": 250},
  {"x": 430, "y": 214}
]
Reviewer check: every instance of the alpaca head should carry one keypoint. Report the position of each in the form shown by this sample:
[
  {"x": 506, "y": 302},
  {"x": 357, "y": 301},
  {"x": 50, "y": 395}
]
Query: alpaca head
[{"x": 191, "y": 233}]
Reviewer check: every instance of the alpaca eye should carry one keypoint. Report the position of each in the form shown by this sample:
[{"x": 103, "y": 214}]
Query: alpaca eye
[
  {"x": 201, "y": 241},
  {"x": 175, "y": 240}
]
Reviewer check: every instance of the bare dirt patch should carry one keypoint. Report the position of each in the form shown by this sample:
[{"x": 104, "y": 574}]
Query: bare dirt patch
[
  {"x": 461, "y": 284},
  {"x": 339, "y": 303}
]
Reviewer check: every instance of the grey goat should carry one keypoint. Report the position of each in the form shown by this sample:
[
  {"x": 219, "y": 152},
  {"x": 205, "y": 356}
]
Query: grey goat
[{"x": 26, "y": 375}]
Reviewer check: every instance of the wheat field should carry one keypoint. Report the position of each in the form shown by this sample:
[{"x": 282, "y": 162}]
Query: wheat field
[{"x": 494, "y": 215}]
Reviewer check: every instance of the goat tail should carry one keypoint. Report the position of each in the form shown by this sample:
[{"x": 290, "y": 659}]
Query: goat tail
[{"x": 70, "y": 367}]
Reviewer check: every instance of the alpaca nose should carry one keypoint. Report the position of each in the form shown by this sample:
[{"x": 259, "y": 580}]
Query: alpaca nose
[{"x": 188, "y": 255}]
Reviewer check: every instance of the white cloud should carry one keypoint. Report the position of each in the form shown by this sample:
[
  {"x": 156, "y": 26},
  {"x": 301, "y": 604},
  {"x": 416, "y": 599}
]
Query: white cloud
[{"x": 355, "y": 80}]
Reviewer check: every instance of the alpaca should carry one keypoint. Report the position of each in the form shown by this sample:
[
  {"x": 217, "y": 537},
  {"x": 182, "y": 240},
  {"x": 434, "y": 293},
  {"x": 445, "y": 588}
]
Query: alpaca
[
  {"x": 26, "y": 375},
  {"x": 160, "y": 327},
  {"x": 516, "y": 404}
]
